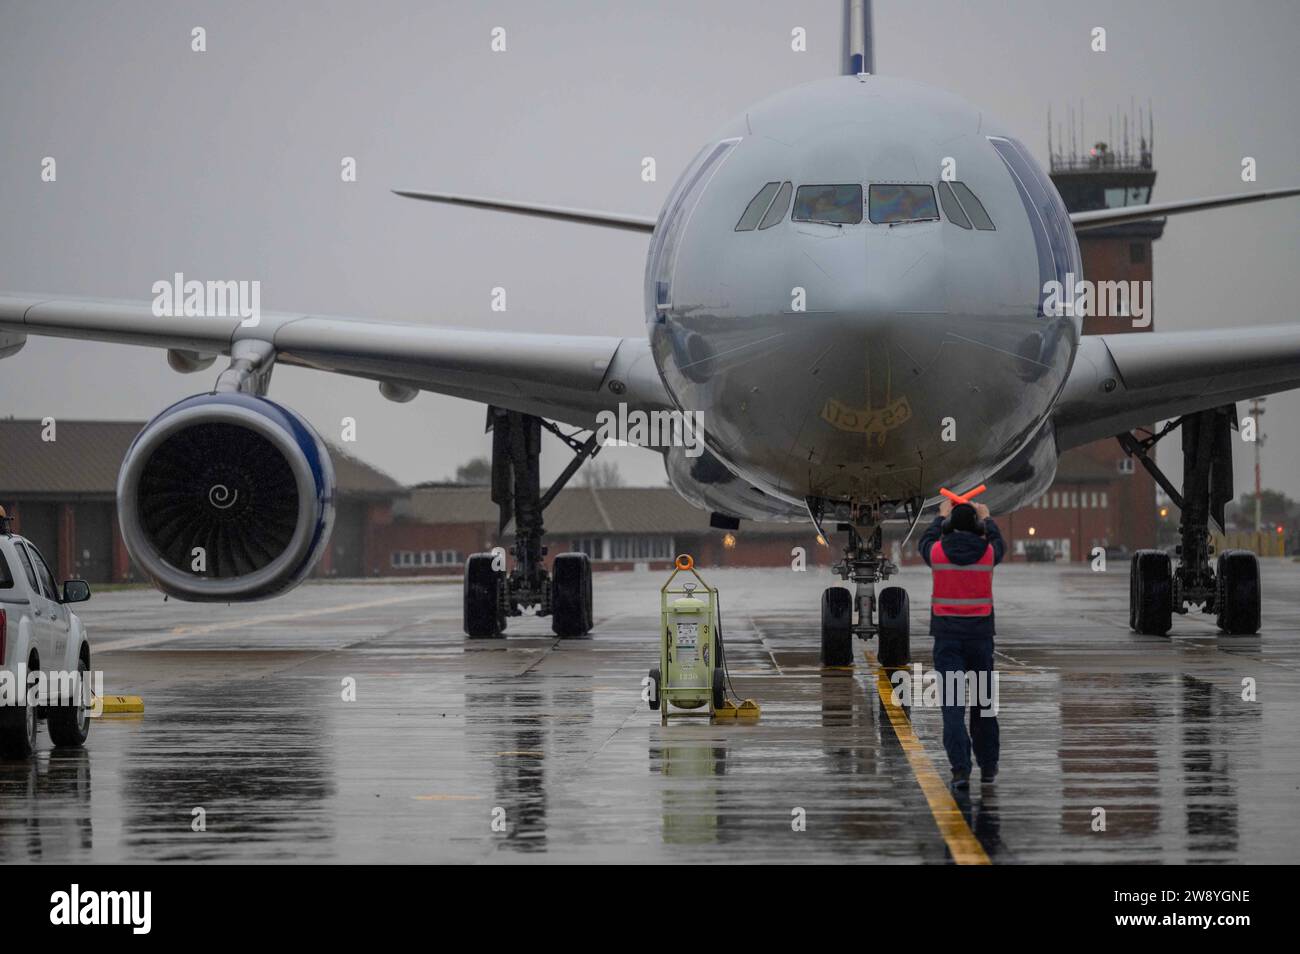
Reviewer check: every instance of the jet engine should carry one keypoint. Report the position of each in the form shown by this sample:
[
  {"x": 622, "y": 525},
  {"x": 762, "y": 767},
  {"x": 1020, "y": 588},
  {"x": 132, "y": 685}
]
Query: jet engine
[
  {"x": 1026, "y": 476},
  {"x": 709, "y": 484},
  {"x": 226, "y": 497}
]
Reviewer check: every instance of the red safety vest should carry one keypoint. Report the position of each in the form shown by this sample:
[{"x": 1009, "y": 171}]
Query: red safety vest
[{"x": 961, "y": 589}]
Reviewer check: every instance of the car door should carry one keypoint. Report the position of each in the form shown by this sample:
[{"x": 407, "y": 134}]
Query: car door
[{"x": 50, "y": 617}]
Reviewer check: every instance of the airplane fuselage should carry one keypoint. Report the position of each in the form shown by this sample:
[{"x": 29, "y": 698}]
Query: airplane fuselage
[{"x": 877, "y": 332}]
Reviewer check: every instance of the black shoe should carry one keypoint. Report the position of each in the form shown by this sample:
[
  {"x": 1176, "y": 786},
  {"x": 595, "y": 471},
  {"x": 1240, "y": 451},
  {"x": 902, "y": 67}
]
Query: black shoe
[
  {"x": 988, "y": 776},
  {"x": 960, "y": 781}
]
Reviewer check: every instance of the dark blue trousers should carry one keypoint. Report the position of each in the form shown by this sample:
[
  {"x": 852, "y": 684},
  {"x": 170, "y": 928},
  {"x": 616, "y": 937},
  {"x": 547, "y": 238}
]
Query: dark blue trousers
[{"x": 967, "y": 655}]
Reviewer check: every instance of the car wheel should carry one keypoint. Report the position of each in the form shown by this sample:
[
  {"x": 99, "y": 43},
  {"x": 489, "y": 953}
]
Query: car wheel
[
  {"x": 69, "y": 723},
  {"x": 18, "y": 721}
]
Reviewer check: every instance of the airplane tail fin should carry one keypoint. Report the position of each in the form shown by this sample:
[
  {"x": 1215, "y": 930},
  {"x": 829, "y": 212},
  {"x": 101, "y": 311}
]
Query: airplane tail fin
[{"x": 859, "y": 56}]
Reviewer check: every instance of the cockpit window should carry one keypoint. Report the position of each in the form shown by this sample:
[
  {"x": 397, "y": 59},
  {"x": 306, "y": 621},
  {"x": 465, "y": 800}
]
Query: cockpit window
[
  {"x": 830, "y": 204},
  {"x": 892, "y": 204},
  {"x": 952, "y": 208},
  {"x": 757, "y": 206},
  {"x": 780, "y": 205},
  {"x": 973, "y": 207}
]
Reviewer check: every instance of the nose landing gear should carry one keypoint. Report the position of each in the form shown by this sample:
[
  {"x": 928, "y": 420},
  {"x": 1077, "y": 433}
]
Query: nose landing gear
[{"x": 885, "y": 615}]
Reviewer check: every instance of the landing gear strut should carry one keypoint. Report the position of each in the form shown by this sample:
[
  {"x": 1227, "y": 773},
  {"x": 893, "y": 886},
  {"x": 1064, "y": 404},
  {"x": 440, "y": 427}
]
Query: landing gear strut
[
  {"x": 492, "y": 594},
  {"x": 885, "y": 614},
  {"x": 1157, "y": 589}
]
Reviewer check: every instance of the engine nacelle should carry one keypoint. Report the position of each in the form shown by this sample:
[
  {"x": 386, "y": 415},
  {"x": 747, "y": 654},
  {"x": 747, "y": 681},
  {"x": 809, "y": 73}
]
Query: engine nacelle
[
  {"x": 710, "y": 485},
  {"x": 226, "y": 498},
  {"x": 1026, "y": 476}
]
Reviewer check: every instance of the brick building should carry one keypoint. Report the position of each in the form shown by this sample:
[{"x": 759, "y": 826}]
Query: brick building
[{"x": 437, "y": 526}]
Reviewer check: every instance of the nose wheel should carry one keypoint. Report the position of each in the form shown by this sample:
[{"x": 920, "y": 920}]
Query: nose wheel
[
  {"x": 885, "y": 615},
  {"x": 894, "y": 628},
  {"x": 837, "y": 627}
]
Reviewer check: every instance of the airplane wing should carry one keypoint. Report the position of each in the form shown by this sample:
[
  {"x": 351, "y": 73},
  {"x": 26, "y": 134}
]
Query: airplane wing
[
  {"x": 1104, "y": 218},
  {"x": 1119, "y": 382},
  {"x": 1123, "y": 381},
  {"x": 609, "y": 220},
  {"x": 568, "y": 378}
]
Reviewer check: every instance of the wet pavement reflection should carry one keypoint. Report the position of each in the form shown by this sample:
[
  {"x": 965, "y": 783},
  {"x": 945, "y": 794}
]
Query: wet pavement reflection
[{"x": 353, "y": 722}]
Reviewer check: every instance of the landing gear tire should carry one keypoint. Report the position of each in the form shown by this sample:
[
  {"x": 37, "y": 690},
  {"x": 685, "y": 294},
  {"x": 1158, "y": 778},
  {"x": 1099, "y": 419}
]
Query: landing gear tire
[
  {"x": 1237, "y": 572},
  {"x": 18, "y": 721},
  {"x": 571, "y": 595},
  {"x": 69, "y": 724},
  {"x": 1151, "y": 593},
  {"x": 837, "y": 627},
  {"x": 483, "y": 616},
  {"x": 655, "y": 681},
  {"x": 894, "y": 630},
  {"x": 1133, "y": 593},
  {"x": 719, "y": 689}
]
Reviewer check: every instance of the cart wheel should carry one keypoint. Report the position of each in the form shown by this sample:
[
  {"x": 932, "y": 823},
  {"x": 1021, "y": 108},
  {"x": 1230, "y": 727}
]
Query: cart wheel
[
  {"x": 719, "y": 689},
  {"x": 654, "y": 688}
]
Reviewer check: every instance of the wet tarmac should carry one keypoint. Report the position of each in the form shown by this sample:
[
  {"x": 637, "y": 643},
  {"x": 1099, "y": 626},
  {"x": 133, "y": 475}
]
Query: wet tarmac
[{"x": 536, "y": 749}]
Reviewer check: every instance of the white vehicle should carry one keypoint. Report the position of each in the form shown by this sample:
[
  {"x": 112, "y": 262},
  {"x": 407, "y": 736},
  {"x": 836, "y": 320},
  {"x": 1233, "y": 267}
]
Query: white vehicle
[{"x": 39, "y": 634}]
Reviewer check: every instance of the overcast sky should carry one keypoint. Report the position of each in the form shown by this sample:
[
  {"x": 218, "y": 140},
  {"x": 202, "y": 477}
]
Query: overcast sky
[{"x": 226, "y": 165}]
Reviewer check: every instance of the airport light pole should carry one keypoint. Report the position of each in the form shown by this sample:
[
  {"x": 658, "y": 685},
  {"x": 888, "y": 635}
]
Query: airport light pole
[{"x": 1256, "y": 410}]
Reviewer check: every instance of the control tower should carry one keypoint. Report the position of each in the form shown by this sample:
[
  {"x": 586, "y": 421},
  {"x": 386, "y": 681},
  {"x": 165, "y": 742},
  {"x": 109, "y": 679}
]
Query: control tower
[{"x": 1107, "y": 176}]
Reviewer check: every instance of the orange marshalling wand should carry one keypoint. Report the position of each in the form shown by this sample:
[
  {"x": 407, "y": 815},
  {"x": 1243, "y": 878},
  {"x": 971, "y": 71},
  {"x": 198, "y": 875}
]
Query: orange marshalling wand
[{"x": 962, "y": 498}]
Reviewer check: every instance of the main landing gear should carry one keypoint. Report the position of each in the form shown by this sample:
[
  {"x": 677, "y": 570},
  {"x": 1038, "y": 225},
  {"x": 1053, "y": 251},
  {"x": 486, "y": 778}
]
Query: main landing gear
[
  {"x": 1158, "y": 589},
  {"x": 884, "y": 615},
  {"x": 493, "y": 593}
]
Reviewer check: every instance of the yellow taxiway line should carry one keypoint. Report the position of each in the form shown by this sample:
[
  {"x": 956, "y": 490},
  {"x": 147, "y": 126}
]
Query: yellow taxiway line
[{"x": 965, "y": 847}]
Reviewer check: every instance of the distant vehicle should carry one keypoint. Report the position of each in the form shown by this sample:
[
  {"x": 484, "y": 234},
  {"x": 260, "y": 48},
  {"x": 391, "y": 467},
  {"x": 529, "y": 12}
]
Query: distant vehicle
[
  {"x": 38, "y": 633},
  {"x": 1039, "y": 553}
]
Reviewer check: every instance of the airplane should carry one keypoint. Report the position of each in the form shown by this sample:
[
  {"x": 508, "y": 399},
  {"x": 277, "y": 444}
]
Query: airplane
[{"x": 844, "y": 267}]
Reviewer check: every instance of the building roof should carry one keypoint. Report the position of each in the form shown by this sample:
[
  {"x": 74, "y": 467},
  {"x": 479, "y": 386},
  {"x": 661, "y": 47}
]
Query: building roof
[
  {"x": 623, "y": 510},
  {"x": 445, "y": 504},
  {"x": 577, "y": 511},
  {"x": 85, "y": 457},
  {"x": 1078, "y": 466}
]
